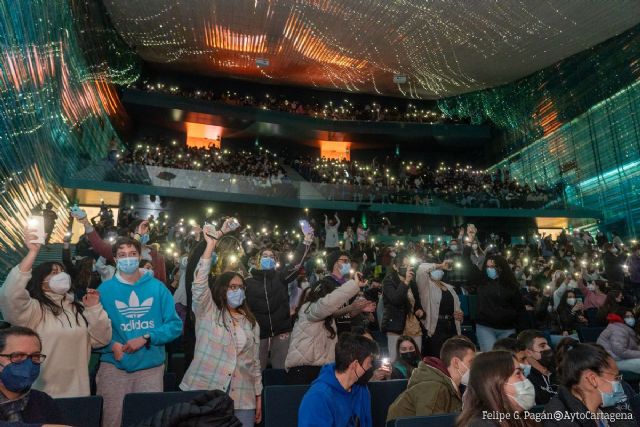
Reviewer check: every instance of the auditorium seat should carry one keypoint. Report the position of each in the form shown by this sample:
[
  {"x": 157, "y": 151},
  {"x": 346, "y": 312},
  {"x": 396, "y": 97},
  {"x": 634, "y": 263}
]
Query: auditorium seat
[
  {"x": 589, "y": 334},
  {"x": 440, "y": 420},
  {"x": 81, "y": 411},
  {"x": 138, "y": 407},
  {"x": 274, "y": 377},
  {"x": 383, "y": 393},
  {"x": 281, "y": 403}
]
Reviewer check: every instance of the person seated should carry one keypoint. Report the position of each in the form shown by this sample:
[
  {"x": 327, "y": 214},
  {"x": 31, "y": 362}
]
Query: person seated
[
  {"x": 20, "y": 360},
  {"x": 518, "y": 350},
  {"x": 591, "y": 385},
  {"x": 496, "y": 386},
  {"x": 339, "y": 396},
  {"x": 434, "y": 387},
  {"x": 592, "y": 291},
  {"x": 620, "y": 340},
  {"x": 571, "y": 314},
  {"x": 541, "y": 358},
  {"x": 407, "y": 358}
]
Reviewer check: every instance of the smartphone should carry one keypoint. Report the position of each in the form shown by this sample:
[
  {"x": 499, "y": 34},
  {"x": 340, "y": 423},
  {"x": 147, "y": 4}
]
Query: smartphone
[
  {"x": 209, "y": 229},
  {"x": 78, "y": 213},
  {"x": 36, "y": 223},
  {"x": 233, "y": 224},
  {"x": 306, "y": 228},
  {"x": 578, "y": 300}
]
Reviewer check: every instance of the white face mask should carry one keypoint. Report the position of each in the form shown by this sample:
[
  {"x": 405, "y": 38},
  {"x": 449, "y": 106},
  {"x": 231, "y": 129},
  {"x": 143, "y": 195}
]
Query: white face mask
[
  {"x": 437, "y": 275},
  {"x": 571, "y": 301},
  {"x": 525, "y": 394},
  {"x": 591, "y": 287},
  {"x": 464, "y": 379},
  {"x": 60, "y": 283}
]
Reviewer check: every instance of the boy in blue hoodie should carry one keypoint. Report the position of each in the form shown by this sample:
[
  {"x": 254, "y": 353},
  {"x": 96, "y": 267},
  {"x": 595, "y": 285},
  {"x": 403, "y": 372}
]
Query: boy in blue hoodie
[
  {"x": 143, "y": 319},
  {"x": 339, "y": 397}
]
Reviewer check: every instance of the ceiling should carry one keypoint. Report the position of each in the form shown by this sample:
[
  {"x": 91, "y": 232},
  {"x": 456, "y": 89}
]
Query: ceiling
[{"x": 444, "y": 47}]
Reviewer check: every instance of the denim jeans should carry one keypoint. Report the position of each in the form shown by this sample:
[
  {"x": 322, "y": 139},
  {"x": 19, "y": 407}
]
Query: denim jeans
[
  {"x": 488, "y": 336},
  {"x": 246, "y": 416}
]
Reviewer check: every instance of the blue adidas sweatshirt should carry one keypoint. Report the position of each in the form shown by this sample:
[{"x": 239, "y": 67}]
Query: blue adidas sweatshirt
[
  {"x": 328, "y": 404},
  {"x": 145, "y": 307}
]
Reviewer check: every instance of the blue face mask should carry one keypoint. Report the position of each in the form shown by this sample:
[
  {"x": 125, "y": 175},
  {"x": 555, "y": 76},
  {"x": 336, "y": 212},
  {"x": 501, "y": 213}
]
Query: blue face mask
[
  {"x": 235, "y": 298},
  {"x": 492, "y": 273},
  {"x": 128, "y": 265},
  {"x": 144, "y": 239},
  {"x": 147, "y": 272},
  {"x": 19, "y": 377},
  {"x": 437, "y": 275},
  {"x": 345, "y": 269},
  {"x": 267, "y": 263},
  {"x": 615, "y": 396},
  {"x": 526, "y": 369}
]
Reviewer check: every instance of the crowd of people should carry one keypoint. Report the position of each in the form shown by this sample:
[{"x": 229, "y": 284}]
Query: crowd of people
[
  {"x": 325, "y": 109},
  {"x": 393, "y": 181},
  {"x": 325, "y": 302}
]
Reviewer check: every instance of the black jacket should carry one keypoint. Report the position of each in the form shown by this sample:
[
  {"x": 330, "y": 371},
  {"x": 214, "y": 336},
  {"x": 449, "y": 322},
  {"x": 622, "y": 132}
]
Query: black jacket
[
  {"x": 545, "y": 386},
  {"x": 40, "y": 409},
  {"x": 212, "y": 409},
  {"x": 268, "y": 295},
  {"x": 566, "y": 402},
  {"x": 395, "y": 302},
  {"x": 499, "y": 306}
]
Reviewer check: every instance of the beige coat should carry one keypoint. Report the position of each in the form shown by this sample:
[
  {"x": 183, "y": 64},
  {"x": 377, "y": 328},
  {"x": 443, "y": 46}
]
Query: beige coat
[
  {"x": 310, "y": 341},
  {"x": 66, "y": 343},
  {"x": 430, "y": 297}
]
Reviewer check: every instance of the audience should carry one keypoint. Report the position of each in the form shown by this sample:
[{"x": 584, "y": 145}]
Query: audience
[
  {"x": 20, "y": 360},
  {"x": 339, "y": 396},
  {"x": 42, "y": 299},
  {"x": 434, "y": 387}
]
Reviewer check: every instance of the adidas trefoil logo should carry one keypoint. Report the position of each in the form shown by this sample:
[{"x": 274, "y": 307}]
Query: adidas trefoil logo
[{"x": 134, "y": 310}]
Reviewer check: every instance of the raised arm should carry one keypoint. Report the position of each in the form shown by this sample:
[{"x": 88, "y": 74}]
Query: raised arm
[{"x": 329, "y": 304}]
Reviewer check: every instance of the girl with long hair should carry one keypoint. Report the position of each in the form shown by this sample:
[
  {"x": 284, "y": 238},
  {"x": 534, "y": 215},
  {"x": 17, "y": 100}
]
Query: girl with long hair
[
  {"x": 227, "y": 339},
  {"x": 42, "y": 299},
  {"x": 496, "y": 386}
]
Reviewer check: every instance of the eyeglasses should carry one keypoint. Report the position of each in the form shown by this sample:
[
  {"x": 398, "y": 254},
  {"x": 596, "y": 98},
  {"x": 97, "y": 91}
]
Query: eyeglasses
[
  {"x": 236, "y": 287},
  {"x": 18, "y": 357}
]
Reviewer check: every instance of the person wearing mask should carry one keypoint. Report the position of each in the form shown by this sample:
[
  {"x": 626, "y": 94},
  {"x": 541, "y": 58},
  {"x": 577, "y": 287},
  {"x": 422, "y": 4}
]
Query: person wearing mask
[
  {"x": 227, "y": 339},
  {"x": 591, "y": 384},
  {"x": 350, "y": 315},
  {"x": 499, "y": 302},
  {"x": 441, "y": 305},
  {"x": 268, "y": 299},
  {"x": 339, "y": 396},
  {"x": 21, "y": 358},
  {"x": 434, "y": 387},
  {"x": 613, "y": 263},
  {"x": 401, "y": 304},
  {"x": 571, "y": 315},
  {"x": 42, "y": 299},
  {"x": 621, "y": 340},
  {"x": 331, "y": 240},
  {"x": 518, "y": 350},
  {"x": 540, "y": 356},
  {"x": 143, "y": 319},
  {"x": 348, "y": 238},
  {"x": 407, "y": 358},
  {"x": 612, "y": 304},
  {"x": 594, "y": 298},
  {"x": 497, "y": 386},
  {"x": 138, "y": 230},
  {"x": 314, "y": 335}
]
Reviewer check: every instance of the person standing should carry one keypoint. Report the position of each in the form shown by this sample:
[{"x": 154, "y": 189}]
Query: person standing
[
  {"x": 331, "y": 226},
  {"x": 50, "y": 218},
  {"x": 227, "y": 339},
  {"x": 144, "y": 319},
  {"x": 42, "y": 299},
  {"x": 268, "y": 299}
]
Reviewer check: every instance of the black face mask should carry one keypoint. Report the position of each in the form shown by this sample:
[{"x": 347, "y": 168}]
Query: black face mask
[
  {"x": 410, "y": 357},
  {"x": 366, "y": 377},
  {"x": 547, "y": 360}
]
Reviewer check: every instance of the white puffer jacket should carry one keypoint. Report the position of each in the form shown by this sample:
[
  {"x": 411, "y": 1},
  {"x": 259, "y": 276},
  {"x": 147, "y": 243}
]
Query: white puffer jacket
[{"x": 310, "y": 341}]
